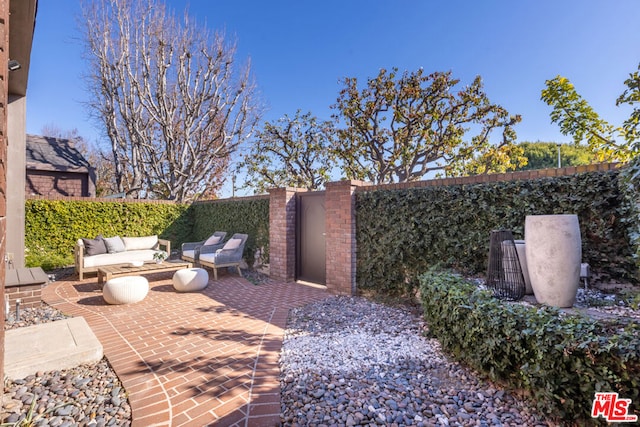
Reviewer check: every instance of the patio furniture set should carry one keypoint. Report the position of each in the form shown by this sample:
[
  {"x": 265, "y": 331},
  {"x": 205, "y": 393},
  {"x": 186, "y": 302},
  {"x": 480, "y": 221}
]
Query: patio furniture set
[{"x": 121, "y": 262}]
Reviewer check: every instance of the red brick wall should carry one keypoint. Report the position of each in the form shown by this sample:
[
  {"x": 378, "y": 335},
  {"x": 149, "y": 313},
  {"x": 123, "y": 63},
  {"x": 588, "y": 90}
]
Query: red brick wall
[
  {"x": 340, "y": 228},
  {"x": 51, "y": 183},
  {"x": 30, "y": 296},
  {"x": 4, "y": 89},
  {"x": 282, "y": 234},
  {"x": 340, "y": 239}
]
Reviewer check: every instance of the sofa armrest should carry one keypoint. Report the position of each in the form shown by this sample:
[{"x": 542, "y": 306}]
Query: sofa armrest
[
  {"x": 191, "y": 246},
  {"x": 78, "y": 257},
  {"x": 166, "y": 244},
  {"x": 210, "y": 249}
]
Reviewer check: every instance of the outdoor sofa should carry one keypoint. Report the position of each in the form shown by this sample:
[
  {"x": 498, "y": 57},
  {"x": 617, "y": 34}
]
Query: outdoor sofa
[{"x": 90, "y": 254}]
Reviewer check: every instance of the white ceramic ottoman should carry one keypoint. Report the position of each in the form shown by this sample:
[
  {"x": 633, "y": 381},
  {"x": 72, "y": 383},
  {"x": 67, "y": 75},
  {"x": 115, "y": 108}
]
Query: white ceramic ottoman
[
  {"x": 125, "y": 290},
  {"x": 190, "y": 279}
]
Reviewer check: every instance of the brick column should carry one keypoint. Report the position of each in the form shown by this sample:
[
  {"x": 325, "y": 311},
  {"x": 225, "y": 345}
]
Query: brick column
[
  {"x": 340, "y": 231},
  {"x": 4, "y": 99},
  {"x": 282, "y": 234}
]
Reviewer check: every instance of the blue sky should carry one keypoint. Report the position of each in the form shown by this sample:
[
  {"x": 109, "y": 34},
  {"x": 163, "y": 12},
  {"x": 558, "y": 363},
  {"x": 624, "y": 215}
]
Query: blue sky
[{"x": 299, "y": 51}]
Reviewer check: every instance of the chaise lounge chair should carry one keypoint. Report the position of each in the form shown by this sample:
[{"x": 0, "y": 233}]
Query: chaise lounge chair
[
  {"x": 190, "y": 251},
  {"x": 229, "y": 256}
]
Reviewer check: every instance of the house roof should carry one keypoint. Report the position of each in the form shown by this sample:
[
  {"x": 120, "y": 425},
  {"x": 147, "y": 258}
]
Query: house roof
[
  {"x": 54, "y": 154},
  {"x": 21, "y": 28}
]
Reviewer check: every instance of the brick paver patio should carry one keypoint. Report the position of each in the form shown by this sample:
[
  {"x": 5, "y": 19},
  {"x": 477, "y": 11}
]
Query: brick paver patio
[{"x": 193, "y": 359}]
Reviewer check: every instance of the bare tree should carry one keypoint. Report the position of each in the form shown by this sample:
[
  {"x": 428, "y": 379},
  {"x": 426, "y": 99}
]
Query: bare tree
[
  {"x": 169, "y": 95},
  {"x": 292, "y": 152}
]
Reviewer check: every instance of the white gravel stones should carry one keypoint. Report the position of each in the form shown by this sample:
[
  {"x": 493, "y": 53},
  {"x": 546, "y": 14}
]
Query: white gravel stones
[
  {"x": 348, "y": 361},
  {"x": 87, "y": 395},
  {"x": 355, "y": 338}
]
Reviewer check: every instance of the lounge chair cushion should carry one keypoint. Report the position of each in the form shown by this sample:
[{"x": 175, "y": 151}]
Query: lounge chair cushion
[
  {"x": 232, "y": 244},
  {"x": 212, "y": 240},
  {"x": 94, "y": 246},
  {"x": 189, "y": 254}
]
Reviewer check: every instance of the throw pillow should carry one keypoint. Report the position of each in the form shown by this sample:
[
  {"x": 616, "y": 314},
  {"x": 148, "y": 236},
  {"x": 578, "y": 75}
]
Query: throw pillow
[
  {"x": 232, "y": 244},
  {"x": 94, "y": 246},
  {"x": 213, "y": 240},
  {"x": 114, "y": 244}
]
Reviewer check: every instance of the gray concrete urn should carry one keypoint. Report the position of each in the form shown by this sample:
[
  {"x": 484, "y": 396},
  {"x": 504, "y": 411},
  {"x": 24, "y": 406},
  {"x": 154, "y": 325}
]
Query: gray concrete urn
[{"x": 553, "y": 252}]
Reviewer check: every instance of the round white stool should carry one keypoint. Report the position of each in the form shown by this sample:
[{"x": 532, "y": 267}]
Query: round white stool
[
  {"x": 125, "y": 290},
  {"x": 190, "y": 279}
]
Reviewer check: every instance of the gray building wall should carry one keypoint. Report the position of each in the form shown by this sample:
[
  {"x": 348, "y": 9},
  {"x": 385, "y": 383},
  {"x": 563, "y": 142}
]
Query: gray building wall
[{"x": 16, "y": 172}]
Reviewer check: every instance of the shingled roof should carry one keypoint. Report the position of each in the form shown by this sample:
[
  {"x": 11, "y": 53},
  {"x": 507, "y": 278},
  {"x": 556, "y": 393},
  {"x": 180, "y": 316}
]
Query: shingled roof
[{"x": 54, "y": 154}]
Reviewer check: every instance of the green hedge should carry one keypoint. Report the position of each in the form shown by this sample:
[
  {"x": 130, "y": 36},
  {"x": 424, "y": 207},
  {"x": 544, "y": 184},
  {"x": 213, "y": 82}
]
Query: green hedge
[
  {"x": 53, "y": 226},
  {"x": 561, "y": 359},
  {"x": 401, "y": 233},
  {"x": 249, "y": 216}
]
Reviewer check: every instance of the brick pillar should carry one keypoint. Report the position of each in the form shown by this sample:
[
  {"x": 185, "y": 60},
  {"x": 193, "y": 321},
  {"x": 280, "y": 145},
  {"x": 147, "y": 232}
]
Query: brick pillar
[
  {"x": 4, "y": 99},
  {"x": 340, "y": 231},
  {"x": 282, "y": 234}
]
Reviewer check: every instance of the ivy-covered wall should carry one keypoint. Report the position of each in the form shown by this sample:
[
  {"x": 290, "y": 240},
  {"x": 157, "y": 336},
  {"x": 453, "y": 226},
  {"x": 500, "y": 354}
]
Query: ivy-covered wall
[
  {"x": 403, "y": 232},
  {"x": 53, "y": 226},
  {"x": 249, "y": 215}
]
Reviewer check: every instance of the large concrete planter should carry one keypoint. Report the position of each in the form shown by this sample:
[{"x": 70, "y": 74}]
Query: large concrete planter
[{"x": 553, "y": 252}]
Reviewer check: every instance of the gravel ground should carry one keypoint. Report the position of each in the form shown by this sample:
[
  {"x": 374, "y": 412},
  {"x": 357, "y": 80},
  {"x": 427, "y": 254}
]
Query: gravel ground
[
  {"x": 87, "y": 395},
  {"x": 345, "y": 362},
  {"x": 348, "y": 361}
]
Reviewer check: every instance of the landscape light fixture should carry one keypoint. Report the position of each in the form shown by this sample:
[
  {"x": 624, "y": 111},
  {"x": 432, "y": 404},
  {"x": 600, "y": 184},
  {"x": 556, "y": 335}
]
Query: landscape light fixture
[{"x": 14, "y": 65}]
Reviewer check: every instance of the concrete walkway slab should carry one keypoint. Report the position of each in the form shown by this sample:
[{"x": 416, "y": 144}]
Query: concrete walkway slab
[{"x": 50, "y": 346}]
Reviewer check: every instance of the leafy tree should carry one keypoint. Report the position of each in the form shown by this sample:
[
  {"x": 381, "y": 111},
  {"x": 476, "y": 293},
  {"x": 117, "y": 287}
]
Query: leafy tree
[
  {"x": 577, "y": 118},
  {"x": 543, "y": 155},
  {"x": 293, "y": 152},
  {"x": 631, "y": 96},
  {"x": 169, "y": 95},
  {"x": 400, "y": 127}
]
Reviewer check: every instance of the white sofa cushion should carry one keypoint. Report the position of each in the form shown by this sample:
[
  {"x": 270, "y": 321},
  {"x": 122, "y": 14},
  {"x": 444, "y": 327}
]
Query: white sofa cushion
[
  {"x": 118, "y": 258},
  {"x": 138, "y": 243}
]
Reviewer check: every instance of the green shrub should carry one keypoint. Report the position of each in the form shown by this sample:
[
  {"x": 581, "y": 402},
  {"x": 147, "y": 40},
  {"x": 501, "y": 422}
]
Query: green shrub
[
  {"x": 401, "y": 233},
  {"x": 561, "y": 359}
]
